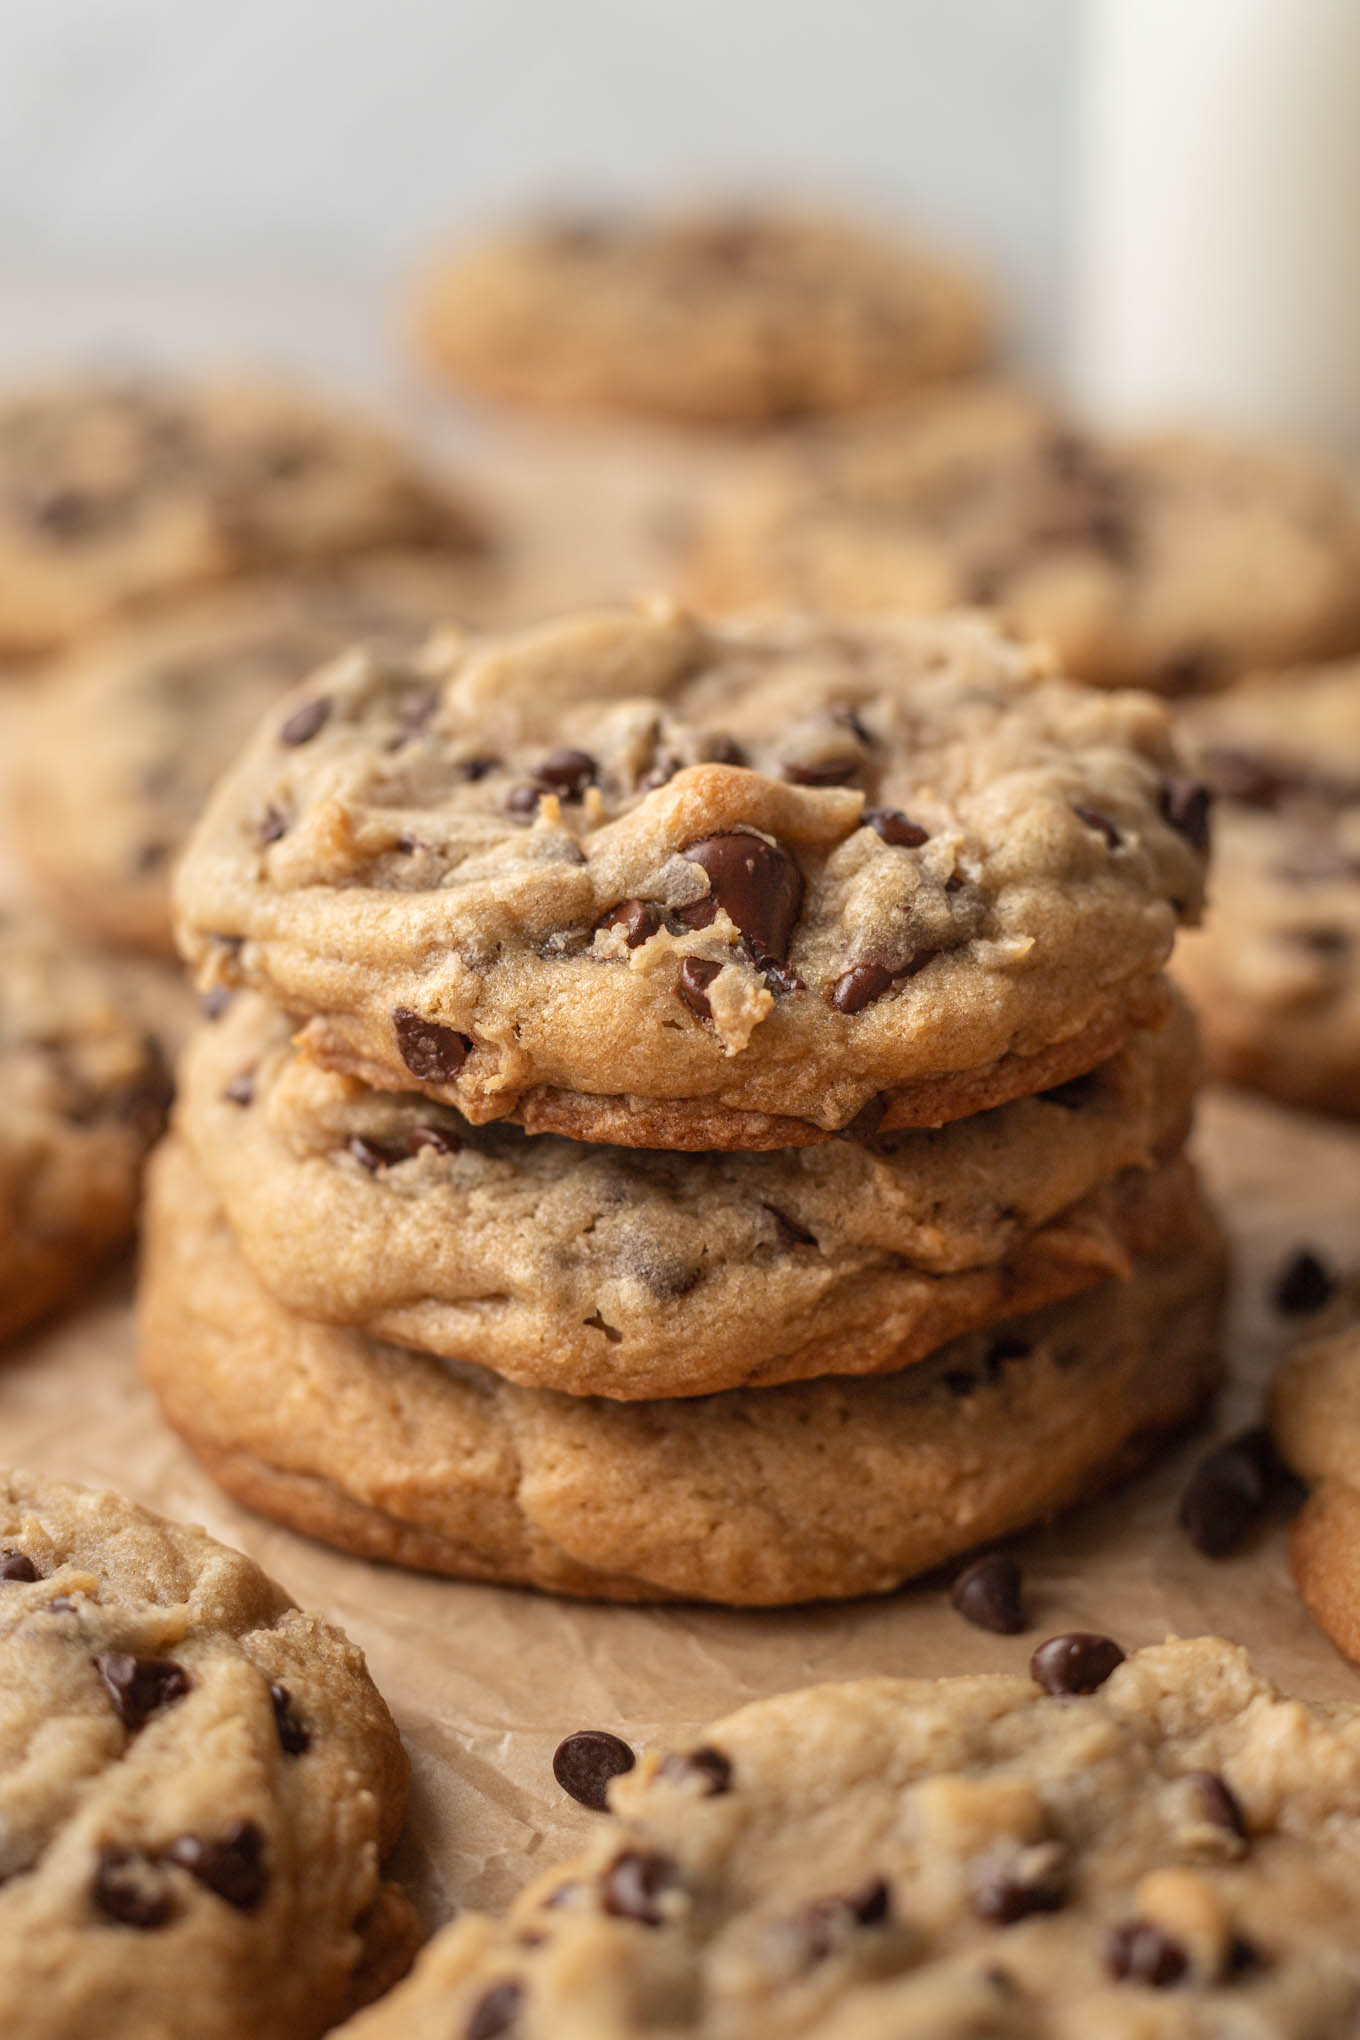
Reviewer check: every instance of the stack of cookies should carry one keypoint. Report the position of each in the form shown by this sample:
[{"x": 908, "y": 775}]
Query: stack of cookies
[{"x": 686, "y": 1111}]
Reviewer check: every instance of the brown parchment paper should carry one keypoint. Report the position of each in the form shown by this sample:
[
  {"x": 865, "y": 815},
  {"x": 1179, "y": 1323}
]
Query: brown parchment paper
[{"x": 484, "y": 1682}]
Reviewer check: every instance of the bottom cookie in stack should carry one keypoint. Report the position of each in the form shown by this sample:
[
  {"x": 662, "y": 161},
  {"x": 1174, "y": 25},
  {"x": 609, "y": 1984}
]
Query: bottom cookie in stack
[{"x": 820, "y": 1488}]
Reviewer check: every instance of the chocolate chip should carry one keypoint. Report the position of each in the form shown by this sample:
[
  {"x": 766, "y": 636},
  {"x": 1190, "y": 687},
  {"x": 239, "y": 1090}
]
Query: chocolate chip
[
  {"x": 639, "y": 920},
  {"x": 1244, "y": 777},
  {"x": 1184, "y": 806},
  {"x": 439, "y": 1138},
  {"x": 1076, "y": 1663},
  {"x": 821, "y": 1927},
  {"x": 214, "y": 1003},
  {"x": 295, "y": 1738},
  {"x": 1228, "y": 1493},
  {"x": 721, "y": 749},
  {"x": 699, "y": 913},
  {"x": 371, "y": 1154},
  {"x": 987, "y": 1594},
  {"x": 522, "y": 800},
  {"x": 709, "y": 1766},
  {"x": 1217, "y": 1801},
  {"x": 567, "y": 772},
  {"x": 472, "y": 769},
  {"x": 1305, "y": 1284},
  {"x": 789, "y": 1232},
  {"x": 430, "y": 1051},
  {"x": 127, "y": 1889},
  {"x": 894, "y": 827},
  {"x": 822, "y": 772},
  {"x": 758, "y": 887},
  {"x": 141, "y": 1687},
  {"x": 151, "y": 856},
  {"x": 584, "y": 1763},
  {"x": 696, "y": 975},
  {"x": 1002, "y": 1350},
  {"x": 597, "y": 1323},
  {"x": 1036, "y": 1885},
  {"x": 232, "y": 1867},
  {"x": 65, "y": 512},
  {"x": 866, "y": 1121},
  {"x": 1142, "y": 1953},
  {"x": 18, "y": 1566},
  {"x": 496, "y": 2011},
  {"x": 781, "y": 979},
  {"x": 305, "y": 721},
  {"x": 241, "y": 1089},
  {"x": 635, "y": 1883},
  {"x": 272, "y": 825},
  {"x": 1093, "y": 819},
  {"x": 859, "y": 986}
]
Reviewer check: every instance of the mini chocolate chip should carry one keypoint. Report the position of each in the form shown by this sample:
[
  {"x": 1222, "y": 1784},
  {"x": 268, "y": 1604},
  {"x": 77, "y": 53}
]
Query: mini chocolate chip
[
  {"x": 241, "y": 1089},
  {"x": 127, "y": 1889},
  {"x": 635, "y": 1883},
  {"x": 437, "y": 1137},
  {"x": 306, "y": 720},
  {"x": 1228, "y": 1493},
  {"x": 1142, "y": 1953},
  {"x": 18, "y": 1566},
  {"x": 522, "y": 800},
  {"x": 709, "y": 1765},
  {"x": 639, "y": 920},
  {"x": 859, "y": 986},
  {"x": 232, "y": 1867},
  {"x": 295, "y": 1738},
  {"x": 788, "y": 1231},
  {"x": 1305, "y": 1284},
  {"x": 496, "y": 2011},
  {"x": 430, "y": 1050},
  {"x": 1218, "y": 1802},
  {"x": 141, "y": 1687},
  {"x": 567, "y": 772},
  {"x": 1076, "y": 1663},
  {"x": 987, "y": 1594},
  {"x": 272, "y": 825},
  {"x": 824, "y": 772},
  {"x": 696, "y": 975},
  {"x": 1093, "y": 819},
  {"x": 1002, "y": 1897},
  {"x": 758, "y": 886},
  {"x": 597, "y": 1323},
  {"x": 894, "y": 827},
  {"x": 584, "y": 1763},
  {"x": 1184, "y": 806},
  {"x": 371, "y": 1154},
  {"x": 214, "y": 1002}
]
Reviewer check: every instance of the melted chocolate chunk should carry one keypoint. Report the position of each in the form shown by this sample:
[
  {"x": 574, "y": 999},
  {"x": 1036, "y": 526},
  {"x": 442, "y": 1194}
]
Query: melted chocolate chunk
[
  {"x": 1228, "y": 1493},
  {"x": 496, "y": 2011},
  {"x": 639, "y": 920},
  {"x": 129, "y": 1890},
  {"x": 1305, "y": 1284},
  {"x": 635, "y": 1884},
  {"x": 306, "y": 721},
  {"x": 859, "y": 986},
  {"x": 584, "y": 1763},
  {"x": 432, "y": 1052},
  {"x": 232, "y": 1867},
  {"x": 1142, "y": 1953},
  {"x": 141, "y": 1687},
  {"x": 295, "y": 1738},
  {"x": 1076, "y": 1663},
  {"x": 894, "y": 827},
  {"x": 18, "y": 1566},
  {"x": 1093, "y": 819},
  {"x": 567, "y": 772},
  {"x": 1184, "y": 806},
  {"x": 696, "y": 975},
  {"x": 758, "y": 887},
  {"x": 987, "y": 1594},
  {"x": 707, "y": 1766}
]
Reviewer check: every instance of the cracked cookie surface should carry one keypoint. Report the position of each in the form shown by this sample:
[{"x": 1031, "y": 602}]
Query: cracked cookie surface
[{"x": 628, "y": 877}]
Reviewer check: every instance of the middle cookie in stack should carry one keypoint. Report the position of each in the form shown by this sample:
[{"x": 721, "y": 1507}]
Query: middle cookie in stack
[{"x": 740, "y": 891}]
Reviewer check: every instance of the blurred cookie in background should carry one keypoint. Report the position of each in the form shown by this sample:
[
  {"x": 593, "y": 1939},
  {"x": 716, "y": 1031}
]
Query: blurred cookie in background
[
  {"x": 114, "y": 492},
  {"x": 736, "y": 316},
  {"x": 124, "y": 738},
  {"x": 1175, "y": 561},
  {"x": 1275, "y": 970}
]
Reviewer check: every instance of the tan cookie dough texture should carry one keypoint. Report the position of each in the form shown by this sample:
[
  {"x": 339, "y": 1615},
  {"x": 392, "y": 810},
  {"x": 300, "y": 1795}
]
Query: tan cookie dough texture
[
  {"x": 1275, "y": 972},
  {"x": 597, "y": 1270},
  {"x": 1175, "y": 561},
  {"x": 85, "y": 1088},
  {"x": 112, "y": 493},
  {"x": 1170, "y": 1857},
  {"x": 710, "y": 318},
  {"x": 522, "y": 876},
  {"x": 197, "y": 1786},
  {"x": 826, "y": 1488}
]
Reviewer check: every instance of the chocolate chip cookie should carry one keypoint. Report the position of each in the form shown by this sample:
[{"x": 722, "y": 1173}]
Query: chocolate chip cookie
[
  {"x": 1315, "y": 1417},
  {"x": 628, "y": 877},
  {"x": 114, "y": 492},
  {"x": 1159, "y": 1846},
  {"x": 85, "y": 1089},
  {"x": 721, "y": 318},
  {"x": 197, "y": 1785},
  {"x": 602, "y": 1271},
  {"x": 1276, "y": 971},
  {"x": 754, "y": 1497},
  {"x": 1174, "y": 561},
  {"x": 125, "y": 737}
]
